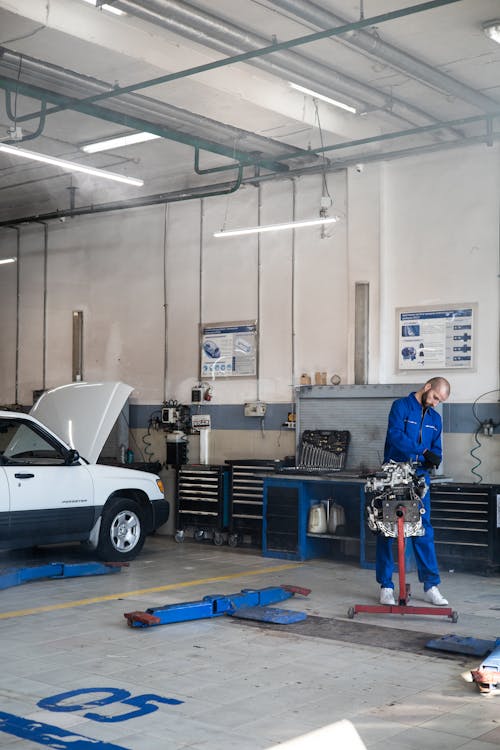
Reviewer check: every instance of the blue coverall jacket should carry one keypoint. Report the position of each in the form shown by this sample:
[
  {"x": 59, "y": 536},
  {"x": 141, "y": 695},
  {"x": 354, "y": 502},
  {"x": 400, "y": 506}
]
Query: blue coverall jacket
[{"x": 411, "y": 431}]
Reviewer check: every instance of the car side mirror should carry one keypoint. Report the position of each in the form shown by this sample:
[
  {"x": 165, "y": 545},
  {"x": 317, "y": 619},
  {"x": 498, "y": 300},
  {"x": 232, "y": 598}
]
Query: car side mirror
[{"x": 72, "y": 457}]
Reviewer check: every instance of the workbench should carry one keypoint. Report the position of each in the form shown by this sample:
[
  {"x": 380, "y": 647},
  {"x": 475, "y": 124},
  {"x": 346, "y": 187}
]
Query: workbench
[
  {"x": 465, "y": 519},
  {"x": 287, "y": 500}
]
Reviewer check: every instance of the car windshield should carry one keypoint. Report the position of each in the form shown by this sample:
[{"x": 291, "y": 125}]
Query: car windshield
[{"x": 21, "y": 444}]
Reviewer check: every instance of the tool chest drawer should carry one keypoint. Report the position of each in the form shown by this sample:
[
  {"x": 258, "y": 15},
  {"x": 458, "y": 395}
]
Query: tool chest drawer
[{"x": 466, "y": 526}]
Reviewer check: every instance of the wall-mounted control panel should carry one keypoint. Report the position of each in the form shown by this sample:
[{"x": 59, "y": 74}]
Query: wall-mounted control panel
[{"x": 255, "y": 409}]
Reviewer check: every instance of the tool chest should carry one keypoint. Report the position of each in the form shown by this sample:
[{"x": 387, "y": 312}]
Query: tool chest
[
  {"x": 466, "y": 522},
  {"x": 202, "y": 494},
  {"x": 246, "y": 499}
]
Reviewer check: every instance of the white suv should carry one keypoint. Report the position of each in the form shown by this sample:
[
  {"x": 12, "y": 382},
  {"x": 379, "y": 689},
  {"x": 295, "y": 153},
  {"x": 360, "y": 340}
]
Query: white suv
[{"x": 53, "y": 491}]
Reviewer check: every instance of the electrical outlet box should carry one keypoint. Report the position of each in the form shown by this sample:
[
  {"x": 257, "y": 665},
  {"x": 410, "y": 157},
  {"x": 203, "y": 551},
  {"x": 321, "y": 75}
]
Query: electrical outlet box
[
  {"x": 200, "y": 422},
  {"x": 255, "y": 409}
]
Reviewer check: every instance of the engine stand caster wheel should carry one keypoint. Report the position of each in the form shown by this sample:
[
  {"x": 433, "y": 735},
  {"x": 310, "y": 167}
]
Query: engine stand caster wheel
[
  {"x": 199, "y": 535},
  {"x": 350, "y": 613},
  {"x": 218, "y": 539},
  {"x": 179, "y": 537},
  {"x": 233, "y": 540},
  {"x": 454, "y": 616}
]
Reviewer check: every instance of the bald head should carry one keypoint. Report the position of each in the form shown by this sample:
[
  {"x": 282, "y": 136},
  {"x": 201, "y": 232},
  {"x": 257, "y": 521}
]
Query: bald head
[{"x": 434, "y": 392}]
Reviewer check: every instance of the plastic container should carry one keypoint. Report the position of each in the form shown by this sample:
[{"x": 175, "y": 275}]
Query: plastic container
[
  {"x": 317, "y": 519},
  {"x": 336, "y": 517}
]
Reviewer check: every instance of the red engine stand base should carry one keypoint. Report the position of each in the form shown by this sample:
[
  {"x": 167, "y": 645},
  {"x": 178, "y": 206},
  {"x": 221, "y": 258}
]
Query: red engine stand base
[{"x": 402, "y": 608}]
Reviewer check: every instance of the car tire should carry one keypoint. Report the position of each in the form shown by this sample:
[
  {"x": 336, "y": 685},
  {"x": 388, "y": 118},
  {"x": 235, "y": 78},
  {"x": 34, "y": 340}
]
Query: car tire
[{"x": 122, "y": 533}]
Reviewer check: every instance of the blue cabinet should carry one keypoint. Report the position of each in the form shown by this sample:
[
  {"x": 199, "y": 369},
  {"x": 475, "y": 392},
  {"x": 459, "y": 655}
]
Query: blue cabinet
[{"x": 287, "y": 501}]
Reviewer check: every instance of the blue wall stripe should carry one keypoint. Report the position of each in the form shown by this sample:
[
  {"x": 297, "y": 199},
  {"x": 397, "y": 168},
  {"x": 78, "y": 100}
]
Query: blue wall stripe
[{"x": 457, "y": 418}]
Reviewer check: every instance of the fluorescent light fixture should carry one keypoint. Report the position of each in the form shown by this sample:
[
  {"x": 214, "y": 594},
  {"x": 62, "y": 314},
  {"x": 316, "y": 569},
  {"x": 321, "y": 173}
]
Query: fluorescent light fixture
[
  {"x": 275, "y": 227},
  {"x": 7, "y": 260},
  {"x": 70, "y": 166},
  {"x": 323, "y": 98},
  {"x": 122, "y": 140},
  {"x": 109, "y": 8},
  {"x": 492, "y": 30}
]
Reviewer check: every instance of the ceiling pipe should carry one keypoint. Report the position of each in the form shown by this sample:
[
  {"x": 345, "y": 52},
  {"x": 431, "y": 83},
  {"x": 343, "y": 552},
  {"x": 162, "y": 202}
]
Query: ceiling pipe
[
  {"x": 209, "y": 191},
  {"x": 370, "y": 43},
  {"x": 41, "y": 75},
  {"x": 44, "y": 74},
  {"x": 209, "y": 30},
  {"x": 226, "y": 188},
  {"x": 487, "y": 138},
  {"x": 135, "y": 123}
]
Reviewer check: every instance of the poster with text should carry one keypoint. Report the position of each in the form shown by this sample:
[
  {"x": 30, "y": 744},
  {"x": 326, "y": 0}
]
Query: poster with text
[
  {"x": 229, "y": 349},
  {"x": 436, "y": 338}
]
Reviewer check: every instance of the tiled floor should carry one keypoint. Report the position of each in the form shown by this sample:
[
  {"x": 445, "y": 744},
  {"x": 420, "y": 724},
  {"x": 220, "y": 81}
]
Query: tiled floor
[{"x": 238, "y": 685}]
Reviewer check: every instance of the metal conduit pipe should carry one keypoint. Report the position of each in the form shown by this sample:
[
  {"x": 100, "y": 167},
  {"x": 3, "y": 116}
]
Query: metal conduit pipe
[
  {"x": 18, "y": 306},
  {"x": 39, "y": 220},
  {"x": 293, "y": 296},
  {"x": 225, "y": 188},
  {"x": 245, "y": 158},
  {"x": 390, "y": 54},
  {"x": 166, "y": 217},
  {"x": 41, "y": 74},
  {"x": 209, "y": 30},
  {"x": 208, "y": 191}
]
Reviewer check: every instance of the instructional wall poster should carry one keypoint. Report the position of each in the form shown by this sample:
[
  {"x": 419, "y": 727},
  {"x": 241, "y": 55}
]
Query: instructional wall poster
[
  {"x": 229, "y": 349},
  {"x": 436, "y": 338}
]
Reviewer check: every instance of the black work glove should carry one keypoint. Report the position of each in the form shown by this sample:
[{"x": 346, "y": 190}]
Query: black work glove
[{"x": 432, "y": 460}]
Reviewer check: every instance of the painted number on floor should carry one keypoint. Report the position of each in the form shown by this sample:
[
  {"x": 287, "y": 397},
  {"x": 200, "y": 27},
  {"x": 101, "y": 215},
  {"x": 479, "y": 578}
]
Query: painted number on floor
[{"x": 144, "y": 704}]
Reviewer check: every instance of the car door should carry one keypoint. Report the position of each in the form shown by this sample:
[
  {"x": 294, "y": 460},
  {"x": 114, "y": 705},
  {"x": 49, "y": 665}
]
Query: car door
[
  {"x": 50, "y": 501},
  {"x": 4, "y": 504}
]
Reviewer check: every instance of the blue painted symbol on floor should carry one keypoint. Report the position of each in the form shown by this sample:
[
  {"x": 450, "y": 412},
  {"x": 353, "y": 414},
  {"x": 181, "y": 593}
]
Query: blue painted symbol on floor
[
  {"x": 63, "y": 739},
  {"x": 46, "y": 734},
  {"x": 145, "y": 703}
]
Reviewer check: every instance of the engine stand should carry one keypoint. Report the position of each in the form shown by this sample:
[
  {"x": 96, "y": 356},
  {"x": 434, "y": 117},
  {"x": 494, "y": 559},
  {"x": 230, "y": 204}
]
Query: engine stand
[{"x": 402, "y": 608}]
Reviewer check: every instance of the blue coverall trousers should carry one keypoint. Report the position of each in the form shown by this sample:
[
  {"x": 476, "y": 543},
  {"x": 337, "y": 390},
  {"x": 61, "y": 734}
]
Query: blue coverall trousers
[{"x": 423, "y": 548}]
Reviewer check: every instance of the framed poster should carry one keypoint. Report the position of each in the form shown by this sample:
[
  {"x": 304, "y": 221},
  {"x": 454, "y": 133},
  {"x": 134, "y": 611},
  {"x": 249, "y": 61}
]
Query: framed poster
[
  {"x": 436, "y": 338},
  {"x": 228, "y": 349}
]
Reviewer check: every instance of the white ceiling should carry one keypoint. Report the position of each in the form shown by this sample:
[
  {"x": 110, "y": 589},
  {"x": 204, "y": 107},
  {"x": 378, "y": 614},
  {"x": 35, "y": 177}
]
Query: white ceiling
[{"x": 432, "y": 66}]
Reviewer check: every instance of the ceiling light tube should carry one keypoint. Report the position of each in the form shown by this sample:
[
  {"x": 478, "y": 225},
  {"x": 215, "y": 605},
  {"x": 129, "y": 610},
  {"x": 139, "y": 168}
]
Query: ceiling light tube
[
  {"x": 492, "y": 30},
  {"x": 109, "y": 8},
  {"x": 323, "y": 98},
  {"x": 118, "y": 142},
  {"x": 7, "y": 260},
  {"x": 275, "y": 227},
  {"x": 70, "y": 166}
]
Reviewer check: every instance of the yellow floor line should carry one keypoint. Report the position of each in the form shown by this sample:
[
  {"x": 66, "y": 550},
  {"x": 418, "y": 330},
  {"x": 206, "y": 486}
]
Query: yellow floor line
[{"x": 139, "y": 592}]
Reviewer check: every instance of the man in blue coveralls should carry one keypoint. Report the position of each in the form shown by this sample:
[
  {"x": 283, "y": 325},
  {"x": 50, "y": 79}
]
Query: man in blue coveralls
[{"x": 414, "y": 434}]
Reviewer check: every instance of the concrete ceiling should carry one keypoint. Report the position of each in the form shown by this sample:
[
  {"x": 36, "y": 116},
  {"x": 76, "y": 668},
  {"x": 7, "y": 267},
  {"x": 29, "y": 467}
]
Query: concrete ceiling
[{"x": 424, "y": 69}]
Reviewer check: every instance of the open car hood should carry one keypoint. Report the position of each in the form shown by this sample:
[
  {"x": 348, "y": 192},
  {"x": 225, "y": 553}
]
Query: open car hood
[{"x": 82, "y": 414}]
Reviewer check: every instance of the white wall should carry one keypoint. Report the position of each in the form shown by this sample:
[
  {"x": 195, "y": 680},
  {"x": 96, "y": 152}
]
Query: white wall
[{"x": 440, "y": 245}]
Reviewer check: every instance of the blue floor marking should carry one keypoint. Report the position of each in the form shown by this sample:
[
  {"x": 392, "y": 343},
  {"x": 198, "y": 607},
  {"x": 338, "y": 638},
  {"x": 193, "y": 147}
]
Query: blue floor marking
[
  {"x": 45, "y": 734},
  {"x": 144, "y": 704}
]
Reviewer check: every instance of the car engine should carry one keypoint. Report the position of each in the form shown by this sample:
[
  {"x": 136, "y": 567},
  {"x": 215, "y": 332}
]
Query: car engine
[{"x": 394, "y": 491}]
